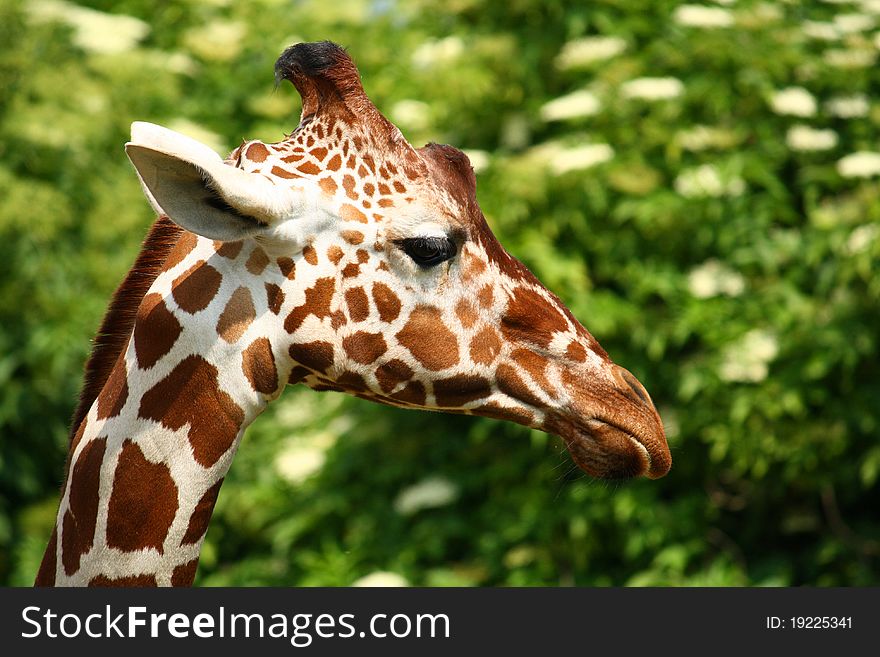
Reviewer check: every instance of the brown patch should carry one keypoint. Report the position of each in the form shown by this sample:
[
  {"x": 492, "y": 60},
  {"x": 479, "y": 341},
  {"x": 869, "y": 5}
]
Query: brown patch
[
  {"x": 510, "y": 384},
  {"x": 576, "y": 352},
  {"x": 287, "y": 267},
  {"x": 258, "y": 365},
  {"x": 348, "y": 184},
  {"x": 473, "y": 265},
  {"x": 274, "y": 297},
  {"x": 351, "y": 213},
  {"x": 335, "y": 254},
  {"x": 183, "y": 248},
  {"x": 132, "y": 581},
  {"x": 309, "y": 168},
  {"x": 46, "y": 574},
  {"x": 191, "y": 395},
  {"x": 364, "y": 347},
  {"x": 257, "y": 152},
  {"x": 362, "y": 256},
  {"x": 115, "y": 392},
  {"x": 497, "y": 412},
  {"x": 352, "y": 236},
  {"x": 143, "y": 502},
  {"x": 531, "y": 318},
  {"x": 334, "y": 163},
  {"x": 384, "y": 189},
  {"x": 428, "y": 339},
  {"x": 318, "y": 153},
  {"x": 257, "y": 261},
  {"x": 383, "y": 266},
  {"x": 201, "y": 516},
  {"x": 456, "y": 391},
  {"x": 328, "y": 186},
  {"x": 113, "y": 335},
  {"x": 386, "y": 203},
  {"x": 352, "y": 382},
  {"x": 466, "y": 312},
  {"x": 413, "y": 393},
  {"x": 486, "y": 296},
  {"x": 317, "y": 303},
  {"x": 228, "y": 249},
  {"x": 317, "y": 356},
  {"x": 310, "y": 255},
  {"x": 78, "y": 524},
  {"x": 358, "y": 304},
  {"x": 185, "y": 574},
  {"x": 156, "y": 330},
  {"x": 237, "y": 315},
  {"x": 294, "y": 157},
  {"x": 393, "y": 373},
  {"x": 387, "y": 303},
  {"x": 297, "y": 374},
  {"x": 337, "y": 319},
  {"x": 534, "y": 364},
  {"x": 284, "y": 173},
  {"x": 362, "y": 171},
  {"x": 351, "y": 270},
  {"x": 398, "y": 187},
  {"x": 369, "y": 189},
  {"x": 485, "y": 346},
  {"x": 194, "y": 289}
]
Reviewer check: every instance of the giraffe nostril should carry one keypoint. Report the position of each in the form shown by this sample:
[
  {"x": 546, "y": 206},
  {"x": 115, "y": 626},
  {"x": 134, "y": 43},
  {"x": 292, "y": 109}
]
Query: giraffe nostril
[{"x": 634, "y": 385}]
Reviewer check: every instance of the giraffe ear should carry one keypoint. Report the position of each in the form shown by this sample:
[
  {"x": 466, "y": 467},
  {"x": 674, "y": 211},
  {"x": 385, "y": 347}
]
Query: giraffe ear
[{"x": 190, "y": 183}]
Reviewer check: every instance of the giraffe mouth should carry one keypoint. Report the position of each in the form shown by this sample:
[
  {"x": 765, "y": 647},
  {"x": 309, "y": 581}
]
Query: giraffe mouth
[{"x": 606, "y": 450}]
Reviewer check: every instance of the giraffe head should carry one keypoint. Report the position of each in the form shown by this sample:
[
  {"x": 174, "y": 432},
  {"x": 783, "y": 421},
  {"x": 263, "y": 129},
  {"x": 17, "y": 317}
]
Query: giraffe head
[{"x": 384, "y": 279}]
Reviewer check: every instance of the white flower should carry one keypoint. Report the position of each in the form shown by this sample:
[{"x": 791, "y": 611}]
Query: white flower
[
  {"x": 479, "y": 160},
  {"x": 427, "y": 494},
  {"x": 93, "y": 31},
  {"x": 583, "y": 52},
  {"x": 703, "y": 137},
  {"x": 850, "y": 57},
  {"x": 713, "y": 278},
  {"x": 805, "y": 138},
  {"x": 851, "y": 23},
  {"x": 747, "y": 359},
  {"x": 381, "y": 578},
  {"x": 700, "y": 16},
  {"x": 571, "y": 106},
  {"x": 820, "y": 31},
  {"x": 861, "y": 238},
  {"x": 442, "y": 51},
  {"x": 795, "y": 101},
  {"x": 848, "y": 107},
  {"x": 412, "y": 114},
  {"x": 870, "y": 6},
  {"x": 578, "y": 158},
  {"x": 652, "y": 88},
  {"x": 199, "y": 133},
  {"x": 298, "y": 463},
  {"x": 862, "y": 164},
  {"x": 219, "y": 40},
  {"x": 706, "y": 181}
]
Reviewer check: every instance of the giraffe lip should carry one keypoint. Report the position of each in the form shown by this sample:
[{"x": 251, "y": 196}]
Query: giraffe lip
[{"x": 604, "y": 449}]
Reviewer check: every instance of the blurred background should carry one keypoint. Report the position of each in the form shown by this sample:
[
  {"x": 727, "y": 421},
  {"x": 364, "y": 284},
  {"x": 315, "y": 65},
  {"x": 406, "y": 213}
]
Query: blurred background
[{"x": 700, "y": 183}]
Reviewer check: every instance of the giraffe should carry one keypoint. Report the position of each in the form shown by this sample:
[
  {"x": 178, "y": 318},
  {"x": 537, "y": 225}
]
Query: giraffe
[{"x": 341, "y": 258}]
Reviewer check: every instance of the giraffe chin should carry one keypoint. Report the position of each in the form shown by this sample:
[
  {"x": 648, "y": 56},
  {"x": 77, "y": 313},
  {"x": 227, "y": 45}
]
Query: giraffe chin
[{"x": 606, "y": 451}]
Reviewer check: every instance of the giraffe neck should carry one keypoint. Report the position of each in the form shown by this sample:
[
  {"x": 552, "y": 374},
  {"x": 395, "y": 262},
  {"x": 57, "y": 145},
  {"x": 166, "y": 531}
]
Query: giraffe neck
[{"x": 147, "y": 461}]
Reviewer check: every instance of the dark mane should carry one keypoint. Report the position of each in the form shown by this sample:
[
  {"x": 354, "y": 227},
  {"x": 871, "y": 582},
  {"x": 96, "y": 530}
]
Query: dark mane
[{"x": 119, "y": 320}]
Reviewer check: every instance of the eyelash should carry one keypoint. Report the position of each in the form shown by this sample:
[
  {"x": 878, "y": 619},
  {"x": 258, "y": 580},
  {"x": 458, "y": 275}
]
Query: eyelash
[{"x": 428, "y": 251}]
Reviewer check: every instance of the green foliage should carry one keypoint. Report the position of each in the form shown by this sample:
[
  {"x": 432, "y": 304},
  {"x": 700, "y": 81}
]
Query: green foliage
[{"x": 714, "y": 235}]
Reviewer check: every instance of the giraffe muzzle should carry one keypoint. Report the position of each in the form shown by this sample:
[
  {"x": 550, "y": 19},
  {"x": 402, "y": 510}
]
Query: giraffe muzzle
[{"x": 616, "y": 434}]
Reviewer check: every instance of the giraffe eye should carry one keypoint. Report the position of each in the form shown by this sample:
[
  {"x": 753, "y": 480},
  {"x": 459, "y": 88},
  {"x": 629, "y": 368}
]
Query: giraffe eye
[{"x": 428, "y": 251}]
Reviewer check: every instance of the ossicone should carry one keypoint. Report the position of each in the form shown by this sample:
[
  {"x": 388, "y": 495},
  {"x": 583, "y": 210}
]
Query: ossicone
[{"x": 323, "y": 74}]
